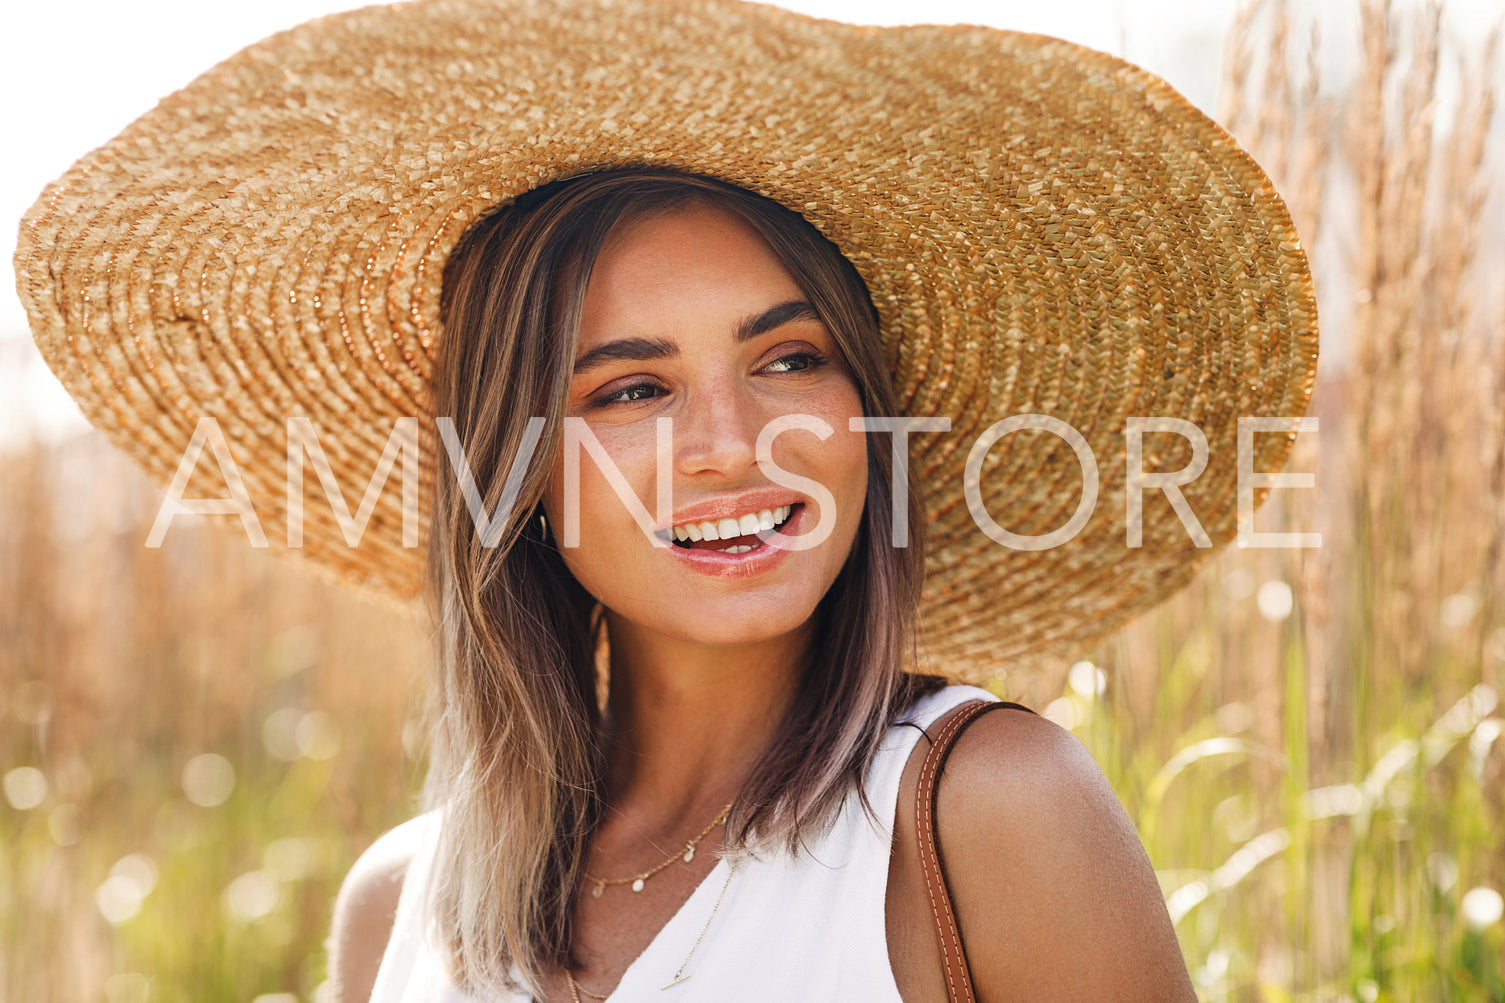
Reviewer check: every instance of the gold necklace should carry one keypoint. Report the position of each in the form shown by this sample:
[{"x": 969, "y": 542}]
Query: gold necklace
[
  {"x": 576, "y": 988},
  {"x": 679, "y": 976},
  {"x": 637, "y": 881}
]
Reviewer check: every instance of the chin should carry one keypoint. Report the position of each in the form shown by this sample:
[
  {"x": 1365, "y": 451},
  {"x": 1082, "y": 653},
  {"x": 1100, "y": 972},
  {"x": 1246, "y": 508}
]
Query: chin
[{"x": 728, "y": 623}]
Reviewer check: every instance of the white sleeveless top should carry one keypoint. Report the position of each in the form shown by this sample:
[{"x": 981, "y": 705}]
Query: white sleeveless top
[{"x": 806, "y": 927}]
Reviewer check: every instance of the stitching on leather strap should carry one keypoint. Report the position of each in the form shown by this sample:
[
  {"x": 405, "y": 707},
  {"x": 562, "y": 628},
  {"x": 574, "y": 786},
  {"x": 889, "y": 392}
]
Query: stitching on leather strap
[{"x": 953, "y": 955}]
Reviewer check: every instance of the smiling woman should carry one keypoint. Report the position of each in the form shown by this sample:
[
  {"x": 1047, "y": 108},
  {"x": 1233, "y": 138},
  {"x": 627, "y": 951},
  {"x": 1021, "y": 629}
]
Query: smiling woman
[
  {"x": 750, "y": 683},
  {"x": 667, "y": 299},
  {"x": 692, "y": 751}
]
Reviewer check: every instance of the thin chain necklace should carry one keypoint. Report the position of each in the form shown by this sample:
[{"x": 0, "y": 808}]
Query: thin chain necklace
[
  {"x": 638, "y": 880},
  {"x": 680, "y": 975},
  {"x": 576, "y": 988}
]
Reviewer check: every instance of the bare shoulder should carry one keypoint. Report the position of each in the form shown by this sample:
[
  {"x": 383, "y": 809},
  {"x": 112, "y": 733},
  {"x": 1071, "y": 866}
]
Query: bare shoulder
[
  {"x": 1053, "y": 890},
  {"x": 365, "y": 910}
]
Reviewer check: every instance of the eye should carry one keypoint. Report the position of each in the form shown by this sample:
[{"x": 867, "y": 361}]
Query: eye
[
  {"x": 632, "y": 394},
  {"x": 796, "y": 362}
]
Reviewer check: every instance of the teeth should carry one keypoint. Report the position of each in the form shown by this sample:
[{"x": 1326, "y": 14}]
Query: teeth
[
  {"x": 735, "y": 550},
  {"x": 725, "y": 529}
]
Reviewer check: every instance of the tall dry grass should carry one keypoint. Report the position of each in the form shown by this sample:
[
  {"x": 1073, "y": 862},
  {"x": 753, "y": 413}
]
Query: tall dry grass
[
  {"x": 1308, "y": 739},
  {"x": 1333, "y": 712},
  {"x": 119, "y": 665}
]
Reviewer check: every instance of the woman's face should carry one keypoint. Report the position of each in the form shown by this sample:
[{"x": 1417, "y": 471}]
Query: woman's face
[{"x": 690, "y": 316}]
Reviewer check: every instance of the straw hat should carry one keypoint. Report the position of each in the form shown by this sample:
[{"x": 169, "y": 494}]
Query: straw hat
[{"x": 1044, "y": 229}]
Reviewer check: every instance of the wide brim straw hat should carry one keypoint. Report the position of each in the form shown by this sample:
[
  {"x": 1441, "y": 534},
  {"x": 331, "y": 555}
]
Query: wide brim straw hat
[{"x": 1044, "y": 229}]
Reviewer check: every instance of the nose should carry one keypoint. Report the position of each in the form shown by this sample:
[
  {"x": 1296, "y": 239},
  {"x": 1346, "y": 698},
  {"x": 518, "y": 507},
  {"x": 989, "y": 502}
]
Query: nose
[{"x": 717, "y": 432}]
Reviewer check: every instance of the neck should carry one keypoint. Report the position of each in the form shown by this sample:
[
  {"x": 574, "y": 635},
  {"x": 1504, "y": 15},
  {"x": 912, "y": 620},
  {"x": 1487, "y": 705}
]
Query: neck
[{"x": 688, "y": 721}]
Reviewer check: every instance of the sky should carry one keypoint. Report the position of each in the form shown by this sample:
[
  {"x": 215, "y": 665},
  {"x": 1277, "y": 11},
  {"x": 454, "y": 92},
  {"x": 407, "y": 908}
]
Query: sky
[{"x": 75, "y": 72}]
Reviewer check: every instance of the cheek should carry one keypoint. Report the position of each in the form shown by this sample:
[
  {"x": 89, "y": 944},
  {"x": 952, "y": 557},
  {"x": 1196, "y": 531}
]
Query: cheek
[
  {"x": 839, "y": 462},
  {"x": 845, "y": 452},
  {"x": 607, "y": 532},
  {"x": 853, "y": 464},
  {"x": 595, "y": 503}
]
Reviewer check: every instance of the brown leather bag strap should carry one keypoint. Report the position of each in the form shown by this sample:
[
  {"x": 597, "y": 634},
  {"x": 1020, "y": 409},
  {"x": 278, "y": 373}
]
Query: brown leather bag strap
[{"x": 953, "y": 956}]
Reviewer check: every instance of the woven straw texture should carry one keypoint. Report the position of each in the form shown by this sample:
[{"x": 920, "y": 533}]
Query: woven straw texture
[{"x": 1044, "y": 229}]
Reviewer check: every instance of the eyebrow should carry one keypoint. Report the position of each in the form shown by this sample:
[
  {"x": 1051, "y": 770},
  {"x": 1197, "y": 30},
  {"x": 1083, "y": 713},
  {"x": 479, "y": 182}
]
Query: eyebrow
[
  {"x": 776, "y": 316},
  {"x": 653, "y": 349}
]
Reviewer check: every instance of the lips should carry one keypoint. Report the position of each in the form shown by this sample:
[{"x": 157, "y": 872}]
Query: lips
[
  {"x": 732, "y": 534},
  {"x": 742, "y": 557}
]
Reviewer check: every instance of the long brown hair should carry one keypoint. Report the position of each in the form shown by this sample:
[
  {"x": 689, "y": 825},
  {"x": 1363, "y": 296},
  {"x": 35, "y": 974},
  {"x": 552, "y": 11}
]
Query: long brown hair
[{"x": 516, "y": 759}]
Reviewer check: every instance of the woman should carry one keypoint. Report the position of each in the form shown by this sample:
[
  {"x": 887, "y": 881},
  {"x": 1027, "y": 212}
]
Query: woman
[
  {"x": 677, "y": 766},
  {"x": 765, "y": 680}
]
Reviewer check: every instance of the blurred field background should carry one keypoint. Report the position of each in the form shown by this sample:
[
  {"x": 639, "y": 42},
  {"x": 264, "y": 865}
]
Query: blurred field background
[{"x": 196, "y": 741}]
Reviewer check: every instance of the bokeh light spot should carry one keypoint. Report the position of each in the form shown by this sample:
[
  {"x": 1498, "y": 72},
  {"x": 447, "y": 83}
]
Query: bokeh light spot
[
  {"x": 138, "y": 869},
  {"x": 1275, "y": 600},
  {"x": 208, "y": 779},
  {"x": 288, "y": 859},
  {"x": 252, "y": 896},
  {"x": 1457, "y": 610},
  {"x": 1064, "y": 712},
  {"x": 317, "y": 735},
  {"x": 1087, "y": 680},
  {"x": 118, "y": 898},
  {"x": 1482, "y": 907},
  {"x": 25, "y": 787},
  {"x": 279, "y": 733}
]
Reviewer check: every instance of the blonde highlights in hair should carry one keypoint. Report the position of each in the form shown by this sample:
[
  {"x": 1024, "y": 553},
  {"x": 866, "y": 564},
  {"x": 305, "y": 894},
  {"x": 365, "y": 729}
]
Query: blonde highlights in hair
[{"x": 516, "y": 760}]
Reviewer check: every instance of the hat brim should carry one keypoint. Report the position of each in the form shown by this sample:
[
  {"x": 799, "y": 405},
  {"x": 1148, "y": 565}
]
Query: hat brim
[{"x": 1045, "y": 229}]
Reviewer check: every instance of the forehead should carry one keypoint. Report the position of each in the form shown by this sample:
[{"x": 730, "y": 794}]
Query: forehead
[{"x": 696, "y": 268}]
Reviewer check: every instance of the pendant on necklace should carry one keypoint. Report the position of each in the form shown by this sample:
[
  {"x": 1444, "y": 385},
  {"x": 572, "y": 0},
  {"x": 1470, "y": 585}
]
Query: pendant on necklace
[
  {"x": 596, "y": 891},
  {"x": 689, "y": 854},
  {"x": 637, "y": 885}
]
